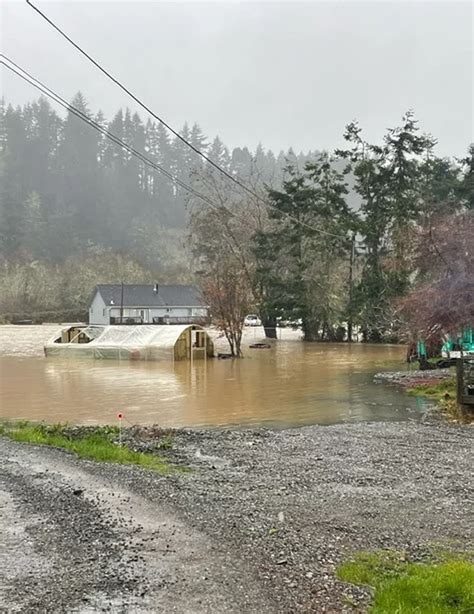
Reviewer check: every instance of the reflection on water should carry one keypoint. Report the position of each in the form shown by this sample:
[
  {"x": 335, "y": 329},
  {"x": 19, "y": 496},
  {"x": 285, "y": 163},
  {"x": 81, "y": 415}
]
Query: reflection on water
[{"x": 293, "y": 383}]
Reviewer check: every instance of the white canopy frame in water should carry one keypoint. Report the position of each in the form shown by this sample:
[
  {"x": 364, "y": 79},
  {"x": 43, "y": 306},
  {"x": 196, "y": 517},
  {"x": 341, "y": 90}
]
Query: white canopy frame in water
[{"x": 121, "y": 342}]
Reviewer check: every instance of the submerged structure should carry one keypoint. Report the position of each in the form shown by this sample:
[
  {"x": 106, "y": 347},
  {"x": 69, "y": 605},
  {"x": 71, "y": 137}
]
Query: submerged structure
[{"x": 154, "y": 342}]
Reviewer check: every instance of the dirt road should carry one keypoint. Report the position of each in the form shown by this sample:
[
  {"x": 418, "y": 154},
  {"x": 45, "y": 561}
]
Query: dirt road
[{"x": 76, "y": 541}]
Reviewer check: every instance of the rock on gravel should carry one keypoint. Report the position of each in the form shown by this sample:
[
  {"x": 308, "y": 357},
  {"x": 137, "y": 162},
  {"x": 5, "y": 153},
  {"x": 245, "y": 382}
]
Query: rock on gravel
[{"x": 397, "y": 377}]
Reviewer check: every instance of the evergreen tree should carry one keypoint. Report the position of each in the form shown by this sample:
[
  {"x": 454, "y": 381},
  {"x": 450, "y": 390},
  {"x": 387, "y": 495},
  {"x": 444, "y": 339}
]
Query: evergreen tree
[
  {"x": 295, "y": 261},
  {"x": 182, "y": 165},
  {"x": 199, "y": 141},
  {"x": 388, "y": 178},
  {"x": 164, "y": 191},
  {"x": 13, "y": 189},
  {"x": 36, "y": 236},
  {"x": 113, "y": 156},
  {"x": 241, "y": 163},
  {"x": 79, "y": 180},
  {"x": 43, "y": 132},
  {"x": 465, "y": 190},
  {"x": 219, "y": 154}
]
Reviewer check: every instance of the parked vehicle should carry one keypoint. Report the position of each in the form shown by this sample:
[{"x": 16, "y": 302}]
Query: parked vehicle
[{"x": 252, "y": 320}]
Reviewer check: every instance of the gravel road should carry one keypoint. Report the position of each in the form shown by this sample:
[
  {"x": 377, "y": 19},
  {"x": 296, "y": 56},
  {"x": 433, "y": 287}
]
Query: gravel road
[{"x": 259, "y": 525}]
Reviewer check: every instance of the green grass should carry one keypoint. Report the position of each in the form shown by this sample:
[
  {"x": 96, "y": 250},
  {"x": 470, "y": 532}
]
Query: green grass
[
  {"x": 435, "y": 391},
  {"x": 371, "y": 568},
  {"x": 442, "y": 586},
  {"x": 445, "y": 394},
  {"x": 429, "y": 589},
  {"x": 98, "y": 444}
]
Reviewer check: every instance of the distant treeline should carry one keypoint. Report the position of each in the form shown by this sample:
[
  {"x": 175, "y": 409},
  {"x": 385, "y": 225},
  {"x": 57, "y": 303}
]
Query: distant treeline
[{"x": 66, "y": 188}]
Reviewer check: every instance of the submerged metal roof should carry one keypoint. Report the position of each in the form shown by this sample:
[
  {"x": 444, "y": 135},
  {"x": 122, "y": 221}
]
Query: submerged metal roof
[{"x": 144, "y": 295}]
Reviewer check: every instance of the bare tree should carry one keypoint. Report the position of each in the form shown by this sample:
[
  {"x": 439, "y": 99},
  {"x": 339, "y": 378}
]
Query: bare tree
[
  {"x": 228, "y": 294},
  {"x": 221, "y": 234},
  {"x": 443, "y": 300}
]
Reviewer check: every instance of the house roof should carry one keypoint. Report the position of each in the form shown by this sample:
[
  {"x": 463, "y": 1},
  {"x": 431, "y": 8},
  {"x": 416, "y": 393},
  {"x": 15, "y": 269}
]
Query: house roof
[{"x": 143, "y": 295}]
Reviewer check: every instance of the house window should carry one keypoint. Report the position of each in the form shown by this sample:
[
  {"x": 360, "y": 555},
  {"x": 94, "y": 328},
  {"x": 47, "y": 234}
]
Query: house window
[
  {"x": 103, "y": 311},
  {"x": 168, "y": 310}
]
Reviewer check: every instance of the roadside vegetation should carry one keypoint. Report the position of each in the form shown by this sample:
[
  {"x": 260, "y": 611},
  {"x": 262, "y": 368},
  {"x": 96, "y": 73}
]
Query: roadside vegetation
[
  {"x": 444, "y": 393},
  {"x": 443, "y": 390},
  {"x": 99, "y": 444},
  {"x": 443, "y": 584}
]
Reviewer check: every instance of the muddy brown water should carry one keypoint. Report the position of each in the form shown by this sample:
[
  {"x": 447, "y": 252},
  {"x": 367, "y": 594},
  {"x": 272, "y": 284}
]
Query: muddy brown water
[{"x": 294, "y": 383}]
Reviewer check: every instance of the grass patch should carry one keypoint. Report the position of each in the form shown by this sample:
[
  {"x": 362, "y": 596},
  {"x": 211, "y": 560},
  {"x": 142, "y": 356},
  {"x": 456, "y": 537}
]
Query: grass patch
[
  {"x": 371, "y": 568},
  {"x": 166, "y": 443},
  {"x": 444, "y": 585},
  {"x": 444, "y": 392},
  {"x": 437, "y": 391},
  {"x": 98, "y": 444}
]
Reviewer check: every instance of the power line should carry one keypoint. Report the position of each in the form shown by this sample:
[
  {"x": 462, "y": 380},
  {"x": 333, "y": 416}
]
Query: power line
[
  {"x": 140, "y": 102},
  {"x": 175, "y": 132}
]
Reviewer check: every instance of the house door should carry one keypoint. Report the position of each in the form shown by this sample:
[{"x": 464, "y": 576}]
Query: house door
[{"x": 144, "y": 315}]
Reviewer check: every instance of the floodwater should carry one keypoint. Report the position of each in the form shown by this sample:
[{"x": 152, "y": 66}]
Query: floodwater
[{"x": 294, "y": 383}]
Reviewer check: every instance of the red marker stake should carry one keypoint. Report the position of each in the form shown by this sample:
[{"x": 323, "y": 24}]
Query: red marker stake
[{"x": 120, "y": 418}]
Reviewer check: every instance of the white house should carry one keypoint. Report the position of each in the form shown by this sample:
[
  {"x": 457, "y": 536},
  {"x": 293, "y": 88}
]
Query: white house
[{"x": 147, "y": 304}]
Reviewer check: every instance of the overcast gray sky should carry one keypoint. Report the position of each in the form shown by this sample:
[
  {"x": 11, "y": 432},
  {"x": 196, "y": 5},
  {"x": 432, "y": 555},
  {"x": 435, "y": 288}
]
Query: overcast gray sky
[{"x": 283, "y": 73}]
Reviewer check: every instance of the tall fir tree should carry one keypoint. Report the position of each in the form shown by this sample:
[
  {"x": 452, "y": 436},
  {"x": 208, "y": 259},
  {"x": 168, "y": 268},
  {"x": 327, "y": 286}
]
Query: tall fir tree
[
  {"x": 13, "y": 188},
  {"x": 294, "y": 260}
]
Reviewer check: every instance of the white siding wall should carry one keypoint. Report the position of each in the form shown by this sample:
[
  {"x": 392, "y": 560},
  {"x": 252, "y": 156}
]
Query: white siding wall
[{"x": 98, "y": 313}]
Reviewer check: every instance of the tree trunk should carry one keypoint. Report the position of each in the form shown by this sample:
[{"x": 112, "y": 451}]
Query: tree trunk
[
  {"x": 230, "y": 341},
  {"x": 310, "y": 330},
  {"x": 270, "y": 328},
  {"x": 349, "y": 331},
  {"x": 325, "y": 336},
  {"x": 238, "y": 344},
  {"x": 375, "y": 336}
]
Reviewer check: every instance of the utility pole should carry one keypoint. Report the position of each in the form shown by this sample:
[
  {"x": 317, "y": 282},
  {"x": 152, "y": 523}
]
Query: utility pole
[
  {"x": 351, "y": 288},
  {"x": 121, "y": 303}
]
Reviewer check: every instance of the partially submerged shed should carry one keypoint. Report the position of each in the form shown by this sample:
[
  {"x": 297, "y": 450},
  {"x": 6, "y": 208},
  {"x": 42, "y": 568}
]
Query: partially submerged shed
[{"x": 156, "y": 342}]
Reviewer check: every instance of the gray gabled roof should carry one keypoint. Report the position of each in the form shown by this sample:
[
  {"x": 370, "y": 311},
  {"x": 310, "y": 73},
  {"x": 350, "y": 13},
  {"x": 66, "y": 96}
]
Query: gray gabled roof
[{"x": 143, "y": 295}]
